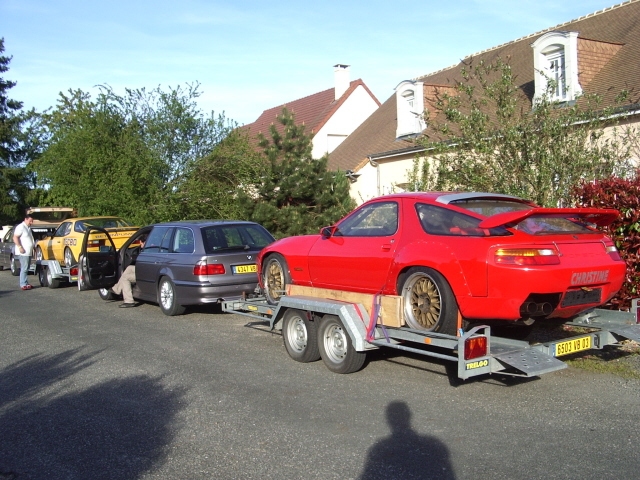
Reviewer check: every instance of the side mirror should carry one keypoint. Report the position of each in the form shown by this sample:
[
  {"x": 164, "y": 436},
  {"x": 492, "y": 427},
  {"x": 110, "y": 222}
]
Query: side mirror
[{"x": 327, "y": 232}]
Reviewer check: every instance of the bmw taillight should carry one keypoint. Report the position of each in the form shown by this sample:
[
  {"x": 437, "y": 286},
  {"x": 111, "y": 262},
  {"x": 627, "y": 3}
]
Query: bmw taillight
[
  {"x": 204, "y": 268},
  {"x": 527, "y": 256},
  {"x": 475, "y": 347}
]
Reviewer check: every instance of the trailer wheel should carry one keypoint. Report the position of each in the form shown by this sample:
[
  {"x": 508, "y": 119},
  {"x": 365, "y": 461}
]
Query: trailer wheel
[
  {"x": 275, "y": 276},
  {"x": 300, "y": 338},
  {"x": 15, "y": 267},
  {"x": 335, "y": 347},
  {"x": 106, "y": 294},
  {"x": 167, "y": 298},
  {"x": 429, "y": 303},
  {"x": 51, "y": 282},
  {"x": 42, "y": 276}
]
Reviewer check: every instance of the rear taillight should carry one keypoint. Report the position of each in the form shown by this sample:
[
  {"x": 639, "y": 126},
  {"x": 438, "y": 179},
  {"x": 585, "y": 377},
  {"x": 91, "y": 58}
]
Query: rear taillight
[
  {"x": 73, "y": 271},
  {"x": 475, "y": 347},
  {"x": 612, "y": 251},
  {"x": 527, "y": 256},
  {"x": 204, "y": 268},
  {"x": 94, "y": 243}
]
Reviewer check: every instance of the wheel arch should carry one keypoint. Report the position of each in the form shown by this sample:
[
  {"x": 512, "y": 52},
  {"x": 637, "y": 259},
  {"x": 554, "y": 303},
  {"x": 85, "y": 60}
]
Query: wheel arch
[{"x": 442, "y": 260}]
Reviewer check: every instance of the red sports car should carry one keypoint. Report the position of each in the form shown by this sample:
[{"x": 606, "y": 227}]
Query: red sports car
[{"x": 487, "y": 256}]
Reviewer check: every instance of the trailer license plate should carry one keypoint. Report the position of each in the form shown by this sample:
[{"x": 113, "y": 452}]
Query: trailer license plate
[
  {"x": 245, "y": 268},
  {"x": 573, "y": 346}
]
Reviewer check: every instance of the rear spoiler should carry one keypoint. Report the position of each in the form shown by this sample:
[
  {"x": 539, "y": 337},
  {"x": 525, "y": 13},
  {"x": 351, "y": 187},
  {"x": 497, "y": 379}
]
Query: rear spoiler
[{"x": 596, "y": 216}]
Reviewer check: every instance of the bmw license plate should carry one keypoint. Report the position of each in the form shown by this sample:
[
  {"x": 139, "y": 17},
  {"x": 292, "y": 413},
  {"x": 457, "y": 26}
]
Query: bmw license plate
[
  {"x": 245, "y": 268},
  {"x": 581, "y": 297},
  {"x": 573, "y": 346}
]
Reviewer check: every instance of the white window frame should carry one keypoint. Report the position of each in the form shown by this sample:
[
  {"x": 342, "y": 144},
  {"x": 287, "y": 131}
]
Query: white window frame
[
  {"x": 551, "y": 48},
  {"x": 410, "y": 108}
]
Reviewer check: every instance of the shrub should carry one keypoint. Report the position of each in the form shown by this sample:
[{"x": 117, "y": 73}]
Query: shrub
[{"x": 622, "y": 194}]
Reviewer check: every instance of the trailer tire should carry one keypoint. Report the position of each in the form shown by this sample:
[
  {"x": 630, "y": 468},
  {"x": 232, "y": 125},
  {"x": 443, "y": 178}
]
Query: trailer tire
[
  {"x": 15, "y": 268},
  {"x": 429, "y": 302},
  {"x": 51, "y": 282},
  {"x": 275, "y": 276},
  {"x": 167, "y": 298},
  {"x": 106, "y": 294},
  {"x": 300, "y": 337},
  {"x": 42, "y": 276},
  {"x": 336, "y": 348}
]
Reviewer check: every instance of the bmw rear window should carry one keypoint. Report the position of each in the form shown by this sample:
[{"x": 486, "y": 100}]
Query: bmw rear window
[{"x": 221, "y": 238}]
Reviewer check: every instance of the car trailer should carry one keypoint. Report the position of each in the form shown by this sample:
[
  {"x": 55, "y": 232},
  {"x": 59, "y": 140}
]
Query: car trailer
[
  {"x": 342, "y": 332},
  {"x": 51, "y": 274}
]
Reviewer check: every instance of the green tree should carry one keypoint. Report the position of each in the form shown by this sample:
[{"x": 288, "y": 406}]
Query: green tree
[
  {"x": 484, "y": 136},
  {"x": 214, "y": 184},
  {"x": 14, "y": 153},
  {"x": 297, "y": 194},
  {"x": 128, "y": 154}
]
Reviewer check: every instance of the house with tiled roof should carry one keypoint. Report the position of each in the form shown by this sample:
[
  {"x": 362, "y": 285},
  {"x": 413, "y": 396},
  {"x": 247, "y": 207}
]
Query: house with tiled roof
[
  {"x": 597, "y": 54},
  {"x": 330, "y": 115}
]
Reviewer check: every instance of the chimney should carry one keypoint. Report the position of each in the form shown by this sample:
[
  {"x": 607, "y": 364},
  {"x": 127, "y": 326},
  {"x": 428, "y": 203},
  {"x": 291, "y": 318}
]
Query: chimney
[{"x": 341, "y": 77}]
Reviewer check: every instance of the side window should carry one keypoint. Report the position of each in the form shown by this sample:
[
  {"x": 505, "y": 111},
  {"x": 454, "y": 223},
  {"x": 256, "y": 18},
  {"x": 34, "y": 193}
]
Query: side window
[
  {"x": 441, "y": 221},
  {"x": 63, "y": 230},
  {"x": 158, "y": 238},
  {"x": 183, "y": 241},
  {"x": 375, "y": 220}
]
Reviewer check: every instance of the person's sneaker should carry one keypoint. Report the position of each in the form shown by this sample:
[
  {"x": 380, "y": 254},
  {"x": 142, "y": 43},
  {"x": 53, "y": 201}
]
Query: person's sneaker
[
  {"x": 27, "y": 287},
  {"x": 127, "y": 305}
]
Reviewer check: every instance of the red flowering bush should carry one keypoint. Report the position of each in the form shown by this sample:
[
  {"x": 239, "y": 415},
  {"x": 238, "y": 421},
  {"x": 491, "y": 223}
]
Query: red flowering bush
[{"x": 623, "y": 195}]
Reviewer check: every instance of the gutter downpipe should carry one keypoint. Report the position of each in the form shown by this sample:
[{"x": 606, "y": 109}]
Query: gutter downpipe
[{"x": 377, "y": 167}]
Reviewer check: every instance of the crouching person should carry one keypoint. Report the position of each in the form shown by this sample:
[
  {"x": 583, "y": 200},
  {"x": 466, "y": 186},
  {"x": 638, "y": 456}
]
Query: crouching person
[{"x": 128, "y": 278}]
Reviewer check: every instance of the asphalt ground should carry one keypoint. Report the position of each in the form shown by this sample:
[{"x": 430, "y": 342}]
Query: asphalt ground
[{"x": 90, "y": 391}]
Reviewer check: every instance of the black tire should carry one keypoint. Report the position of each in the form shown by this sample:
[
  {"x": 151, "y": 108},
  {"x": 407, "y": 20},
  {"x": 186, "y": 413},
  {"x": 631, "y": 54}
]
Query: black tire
[
  {"x": 15, "y": 267},
  {"x": 335, "y": 347},
  {"x": 299, "y": 335},
  {"x": 69, "y": 259},
  {"x": 42, "y": 276},
  {"x": 275, "y": 276},
  {"x": 51, "y": 282},
  {"x": 167, "y": 299},
  {"x": 429, "y": 303},
  {"x": 106, "y": 294}
]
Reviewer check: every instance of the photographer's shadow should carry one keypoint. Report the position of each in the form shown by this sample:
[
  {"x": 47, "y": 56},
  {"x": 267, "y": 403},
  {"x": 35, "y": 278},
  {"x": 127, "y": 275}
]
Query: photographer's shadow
[{"x": 405, "y": 453}]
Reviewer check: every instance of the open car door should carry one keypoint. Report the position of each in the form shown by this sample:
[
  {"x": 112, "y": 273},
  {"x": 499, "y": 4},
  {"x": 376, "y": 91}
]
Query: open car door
[{"x": 98, "y": 260}]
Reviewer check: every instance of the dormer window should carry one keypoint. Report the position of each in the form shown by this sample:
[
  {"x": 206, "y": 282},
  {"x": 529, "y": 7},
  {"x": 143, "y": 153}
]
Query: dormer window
[
  {"x": 410, "y": 108},
  {"x": 555, "y": 61}
]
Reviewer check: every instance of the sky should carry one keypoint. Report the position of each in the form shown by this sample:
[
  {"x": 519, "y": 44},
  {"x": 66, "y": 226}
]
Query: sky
[{"x": 250, "y": 55}]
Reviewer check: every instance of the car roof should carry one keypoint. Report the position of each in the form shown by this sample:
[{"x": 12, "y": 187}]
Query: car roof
[
  {"x": 204, "y": 223},
  {"x": 448, "y": 197}
]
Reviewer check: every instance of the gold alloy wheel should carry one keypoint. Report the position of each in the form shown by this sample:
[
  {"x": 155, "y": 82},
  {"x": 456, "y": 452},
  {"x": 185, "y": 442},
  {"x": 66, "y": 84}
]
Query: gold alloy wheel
[{"x": 423, "y": 302}]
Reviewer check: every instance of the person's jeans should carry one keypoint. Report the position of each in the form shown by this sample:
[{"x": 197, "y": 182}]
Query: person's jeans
[{"x": 25, "y": 260}]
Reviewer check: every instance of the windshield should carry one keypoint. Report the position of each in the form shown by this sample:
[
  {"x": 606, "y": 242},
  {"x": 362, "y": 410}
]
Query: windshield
[
  {"x": 235, "y": 237},
  {"x": 491, "y": 207},
  {"x": 102, "y": 222}
]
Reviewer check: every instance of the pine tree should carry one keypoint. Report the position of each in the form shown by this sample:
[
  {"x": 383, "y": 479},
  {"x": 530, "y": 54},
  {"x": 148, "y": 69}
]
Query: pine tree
[{"x": 298, "y": 195}]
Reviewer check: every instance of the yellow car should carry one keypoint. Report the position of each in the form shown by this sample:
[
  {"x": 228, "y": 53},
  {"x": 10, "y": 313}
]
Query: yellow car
[{"x": 65, "y": 244}]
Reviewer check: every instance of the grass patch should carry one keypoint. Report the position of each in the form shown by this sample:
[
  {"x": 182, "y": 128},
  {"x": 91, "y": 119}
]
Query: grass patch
[{"x": 618, "y": 361}]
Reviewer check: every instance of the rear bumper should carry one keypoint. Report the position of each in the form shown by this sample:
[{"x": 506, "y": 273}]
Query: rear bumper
[{"x": 198, "y": 293}]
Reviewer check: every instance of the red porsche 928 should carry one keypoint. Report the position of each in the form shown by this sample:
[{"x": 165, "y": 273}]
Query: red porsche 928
[{"x": 489, "y": 257}]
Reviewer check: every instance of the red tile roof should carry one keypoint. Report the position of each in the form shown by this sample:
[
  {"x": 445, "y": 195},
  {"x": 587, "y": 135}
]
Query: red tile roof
[{"x": 312, "y": 111}]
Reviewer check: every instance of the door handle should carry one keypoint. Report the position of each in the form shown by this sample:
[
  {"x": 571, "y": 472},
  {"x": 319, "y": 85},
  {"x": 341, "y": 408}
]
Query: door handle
[{"x": 386, "y": 247}]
